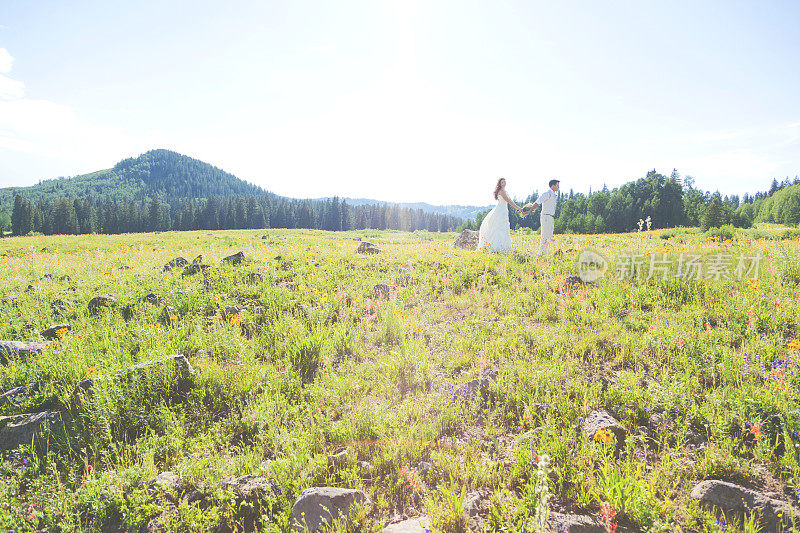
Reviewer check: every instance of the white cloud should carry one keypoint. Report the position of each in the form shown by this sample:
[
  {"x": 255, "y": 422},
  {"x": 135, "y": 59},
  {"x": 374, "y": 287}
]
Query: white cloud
[
  {"x": 5, "y": 61},
  {"x": 10, "y": 89}
]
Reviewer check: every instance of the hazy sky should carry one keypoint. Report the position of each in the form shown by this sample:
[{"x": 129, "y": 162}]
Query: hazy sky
[{"x": 406, "y": 100}]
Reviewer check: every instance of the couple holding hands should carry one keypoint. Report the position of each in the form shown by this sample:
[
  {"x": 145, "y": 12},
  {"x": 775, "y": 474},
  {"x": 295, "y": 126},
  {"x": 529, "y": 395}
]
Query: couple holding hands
[{"x": 495, "y": 232}]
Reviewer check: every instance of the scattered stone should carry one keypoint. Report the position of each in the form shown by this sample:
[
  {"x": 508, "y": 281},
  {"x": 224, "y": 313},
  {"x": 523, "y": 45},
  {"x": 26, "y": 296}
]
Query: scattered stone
[
  {"x": 197, "y": 260},
  {"x": 30, "y": 288},
  {"x": 338, "y": 460},
  {"x": 476, "y": 504},
  {"x": 169, "y": 482},
  {"x": 318, "y": 507},
  {"x": 17, "y": 430},
  {"x": 194, "y": 268},
  {"x": 381, "y": 291},
  {"x": 252, "y": 494},
  {"x": 603, "y": 419},
  {"x": 731, "y": 498},
  {"x": 480, "y": 385},
  {"x": 573, "y": 281},
  {"x": 254, "y": 277},
  {"x": 106, "y": 300},
  {"x": 124, "y": 267},
  {"x": 573, "y": 523},
  {"x": 468, "y": 239},
  {"x": 367, "y": 247},
  {"x": 413, "y": 525},
  {"x": 45, "y": 249},
  {"x": 176, "y": 263},
  {"x": 15, "y": 397},
  {"x": 55, "y": 332},
  {"x": 364, "y": 465},
  {"x": 286, "y": 265},
  {"x": 234, "y": 259},
  {"x": 423, "y": 468},
  {"x": 150, "y": 298},
  {"x": 264, "y": 237},
  {"x": 181, "y": 364},
  {"x": 60, "y": 305},
  {"x": 14, "y": 349},
  {"x": 169, "y": 316}
]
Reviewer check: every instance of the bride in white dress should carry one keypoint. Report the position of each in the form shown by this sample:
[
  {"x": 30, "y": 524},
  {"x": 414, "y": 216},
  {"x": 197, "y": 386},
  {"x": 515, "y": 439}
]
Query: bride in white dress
[{"x": 495, "y": 233}]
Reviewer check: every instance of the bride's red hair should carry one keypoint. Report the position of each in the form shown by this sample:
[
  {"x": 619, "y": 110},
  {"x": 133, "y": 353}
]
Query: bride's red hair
[{"x": 497, "y": 188}]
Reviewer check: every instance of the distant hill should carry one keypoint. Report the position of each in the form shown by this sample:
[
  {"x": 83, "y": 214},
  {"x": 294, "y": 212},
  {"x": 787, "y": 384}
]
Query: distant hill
[
  {"x": 162, "y": 190},
  {"x": 158, "y": 173},
  {"x": 465, "y": 212}
]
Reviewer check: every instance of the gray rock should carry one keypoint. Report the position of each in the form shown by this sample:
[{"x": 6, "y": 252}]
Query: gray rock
[
  {"x": 51, "y": 333},
  {"x": 169, "y": 482},
  {"x": 367, "y": 247},
  {"x": 731, "y": 498},
  {"x": 573, "y": 523},
  {"x": 381, "y": 291},
  {"x": 166, "y": 319},
  {"x": 181, "y": 364},
  {"x": 234, "y": 259},
  {"x": 176, "y": 263},
  {"x": 105, "y": 300},
  {"x": 192, "y": 269},
  {"x": 61, "y": 305},
  {"x": 468, "y": 239},
  {"x": 124, "y": 267},
  {"x": 10, "y": 350},
  {"x": 423, "y": 468},
  {"x": 18, "y": 430},
  {"x": 603, "y": 419},
  {"x": 15, "y": 397},
  {"x": 251, "y": 487},
  {"x": 318, "y": 507},
  {"x": 150, "y": 298},
  {"x": 339, "y": 460},
  {"x": 197, "y": 260},
  {"x": 479, "y": 385},
  {"x": 253, "y": 278},
  {"x": 418, "y": 524}
]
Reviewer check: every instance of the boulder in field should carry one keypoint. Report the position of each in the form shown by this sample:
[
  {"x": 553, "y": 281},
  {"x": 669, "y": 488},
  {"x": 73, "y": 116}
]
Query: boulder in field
[
  {"x": 182, "y": 365},
  {"x": 419, "y": 524},
  {"x": 575, "y": 523},
  {"x": 56, "y": 332},
  {"x": 318, "y": 507},
  {"x": 480, "y": 385},
  {"x": 169, "y": 316},
  {"x": 150, "y": 298},
  {"x": 234, "y": 259},
  {"x": 254, "y": 278},
  {"x": 381, "y": 291},
  {"x": 15, "y": 397},
  {"x": 194, "y": 268},
  {"x": 105, "y": 300},
  {"x": 176, "y": 263},
  {"x": 739, "y": 501},
  {"x": 468, "y": 239},
  {"x": 20, "y": 350},
  {"x": 602, "y": 419},
  {"x": 18, "y": 430},
  {"x": 367, "y": 247},
  {"x": 61, "y": 305}
]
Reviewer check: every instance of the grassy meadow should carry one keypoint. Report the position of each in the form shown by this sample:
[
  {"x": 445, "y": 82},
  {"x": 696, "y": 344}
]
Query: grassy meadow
[{"x": 315, "y": 361}]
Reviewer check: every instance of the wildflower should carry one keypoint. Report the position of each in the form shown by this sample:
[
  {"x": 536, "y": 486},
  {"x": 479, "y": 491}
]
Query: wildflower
[
  {"x": 721, "y": 523},
  {"x": 91, "y": 371},
  {"x": 756, "y": 430},
  {"x": 236, "y": 318},
  {"x": 603, "y": 435},
  {"x": 794, "y": 344}
]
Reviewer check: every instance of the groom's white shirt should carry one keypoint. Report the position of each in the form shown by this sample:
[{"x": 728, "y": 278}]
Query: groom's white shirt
[{"x": 548, "y": 202}]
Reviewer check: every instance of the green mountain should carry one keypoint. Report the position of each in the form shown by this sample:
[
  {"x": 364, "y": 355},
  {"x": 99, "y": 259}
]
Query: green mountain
[{"x": 168, "y": 175}]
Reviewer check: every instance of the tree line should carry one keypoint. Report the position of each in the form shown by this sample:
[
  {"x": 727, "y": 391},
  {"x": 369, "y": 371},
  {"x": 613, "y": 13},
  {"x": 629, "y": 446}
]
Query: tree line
[
  {"x": 669, "y": 201},
  {"x": 109, "y": 215}
]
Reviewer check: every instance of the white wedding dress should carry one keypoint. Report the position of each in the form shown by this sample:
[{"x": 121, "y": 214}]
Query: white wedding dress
[{"x": 495, "y": 233}]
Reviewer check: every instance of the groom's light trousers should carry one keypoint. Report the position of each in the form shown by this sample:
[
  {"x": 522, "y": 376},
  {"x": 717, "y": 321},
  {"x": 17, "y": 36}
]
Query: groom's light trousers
[{"x": 547, "y": 222}]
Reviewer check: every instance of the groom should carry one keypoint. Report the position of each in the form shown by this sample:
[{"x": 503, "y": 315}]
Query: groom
[{"x": 548, "y": 215}]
